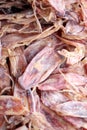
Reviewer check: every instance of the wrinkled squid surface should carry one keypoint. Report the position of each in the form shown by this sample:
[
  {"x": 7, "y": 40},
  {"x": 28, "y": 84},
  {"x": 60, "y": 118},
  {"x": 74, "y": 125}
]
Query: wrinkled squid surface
[{"x": 43, "y": 64}]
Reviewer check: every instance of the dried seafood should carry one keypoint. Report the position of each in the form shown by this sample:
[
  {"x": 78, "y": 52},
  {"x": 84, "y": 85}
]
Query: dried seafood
[{"x": 43, "y": 65}]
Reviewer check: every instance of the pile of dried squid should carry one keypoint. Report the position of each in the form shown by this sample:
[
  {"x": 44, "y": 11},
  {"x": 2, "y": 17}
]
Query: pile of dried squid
[{"x": 43, "y": 65}]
